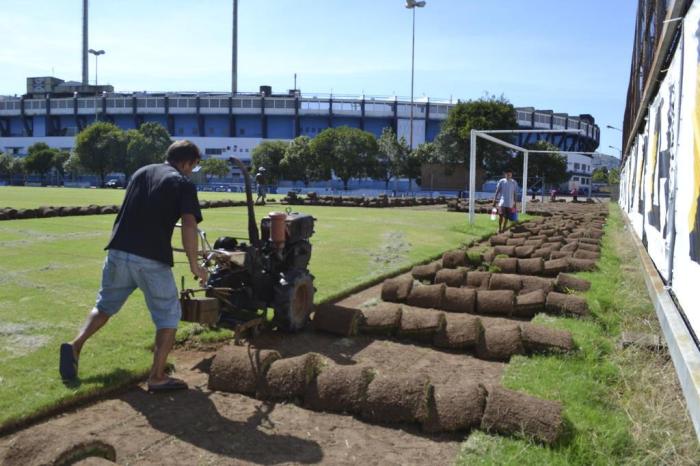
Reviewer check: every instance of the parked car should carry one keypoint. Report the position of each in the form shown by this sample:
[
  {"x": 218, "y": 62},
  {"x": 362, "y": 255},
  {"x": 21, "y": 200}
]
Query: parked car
[{"x": 114, "y": 184}]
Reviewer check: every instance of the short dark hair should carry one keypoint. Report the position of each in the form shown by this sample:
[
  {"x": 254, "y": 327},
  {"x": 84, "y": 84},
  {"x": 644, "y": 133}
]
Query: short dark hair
[
  {"x": 508, "y": 170},
  {"x": 182, "y": 151}
]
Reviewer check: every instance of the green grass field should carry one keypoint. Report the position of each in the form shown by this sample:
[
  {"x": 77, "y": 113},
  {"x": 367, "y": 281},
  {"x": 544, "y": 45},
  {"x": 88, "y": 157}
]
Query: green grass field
[
  {"x": 20, "y": 197},
  {"x": 50, "y": 273}
]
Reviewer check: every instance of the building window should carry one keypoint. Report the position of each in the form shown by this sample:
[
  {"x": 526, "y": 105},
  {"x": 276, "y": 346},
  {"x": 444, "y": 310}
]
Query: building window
[
  {"x": 213, "y": 151},
  {"x": 575, "y": 178},
  {"x": 577, "y": 166}
]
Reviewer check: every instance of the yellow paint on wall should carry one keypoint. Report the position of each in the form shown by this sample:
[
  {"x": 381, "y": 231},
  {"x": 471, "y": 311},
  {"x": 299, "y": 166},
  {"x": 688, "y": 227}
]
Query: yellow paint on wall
[{"x": 696, "y": 153}]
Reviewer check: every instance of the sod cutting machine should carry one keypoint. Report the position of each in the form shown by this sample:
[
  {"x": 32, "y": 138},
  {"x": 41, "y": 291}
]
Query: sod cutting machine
[{"x": 247, "y": 278}]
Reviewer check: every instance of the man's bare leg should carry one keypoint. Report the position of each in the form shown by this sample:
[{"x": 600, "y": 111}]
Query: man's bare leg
[
  {"x": 165, "y": 338},
  {"x": 95, "y": 321}
]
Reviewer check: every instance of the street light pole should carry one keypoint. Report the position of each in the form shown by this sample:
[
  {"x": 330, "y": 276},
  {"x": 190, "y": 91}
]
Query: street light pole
[
  {"x": 96, "y": 53},
  {"x": 412, "y": 5}
]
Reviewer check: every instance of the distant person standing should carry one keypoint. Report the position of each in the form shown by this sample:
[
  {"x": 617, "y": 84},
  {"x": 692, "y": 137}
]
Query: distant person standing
[
  {"x": 506, "y": 190},
  {"x": 574, "y": 194},
  {"x": 260, "y": 183}
]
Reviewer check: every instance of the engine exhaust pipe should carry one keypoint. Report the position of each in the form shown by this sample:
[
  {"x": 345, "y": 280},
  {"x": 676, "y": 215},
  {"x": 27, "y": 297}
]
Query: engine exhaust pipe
[{"x": 253, "y": 232}]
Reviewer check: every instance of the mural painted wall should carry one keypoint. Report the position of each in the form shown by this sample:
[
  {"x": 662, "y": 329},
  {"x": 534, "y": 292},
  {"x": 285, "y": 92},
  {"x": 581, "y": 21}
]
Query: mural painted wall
[{"x": 660, "y": 179}]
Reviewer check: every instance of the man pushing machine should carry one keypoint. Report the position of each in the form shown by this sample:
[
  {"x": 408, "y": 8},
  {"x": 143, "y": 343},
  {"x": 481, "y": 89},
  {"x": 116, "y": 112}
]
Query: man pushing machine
[{"x": 140, "y": 256}]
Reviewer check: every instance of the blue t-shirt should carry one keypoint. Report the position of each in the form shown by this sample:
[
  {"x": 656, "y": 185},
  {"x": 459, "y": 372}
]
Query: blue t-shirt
[{"x": 506, "y": 189}]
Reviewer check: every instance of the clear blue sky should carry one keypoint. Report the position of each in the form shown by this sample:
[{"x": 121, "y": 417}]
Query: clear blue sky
[{"x": 568, "y": 56}]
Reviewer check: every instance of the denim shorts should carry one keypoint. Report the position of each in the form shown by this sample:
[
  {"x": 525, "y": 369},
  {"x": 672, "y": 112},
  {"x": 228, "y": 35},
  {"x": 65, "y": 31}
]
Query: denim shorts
[{"x": 123, "y": 272}]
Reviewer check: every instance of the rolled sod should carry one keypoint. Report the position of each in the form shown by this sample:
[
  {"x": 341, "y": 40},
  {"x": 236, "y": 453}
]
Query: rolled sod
[
  {"x": 427, "y": 296},
  {"x": 459, "y": 332},
  {"x": 588, "y": 247},
  {"x": 582, "y": 254},
  {"x": 593, "y": 241},
  {"x": 425, "y": 272},
  {"x": 397, "y": 398},
  {"x": 505, "y": 250},
  {"x": 488, "y": 256},
  {"x": 536, "y": 243},
  {"x": 498, "y": 240},
  {"x": 533, "y": 266},
  {"x": 495, "y": 302},
  {"x": 459, "y": 300},
  {"x": 500, "y": 342},
  {"x": 339, "y": 320},
  {"x": 506, "y": 264},
  {"x": 383, "y": 319},
  {"x": 420, "y": 324},
  {"x": 455, "y": 408},
  {"x": 396, "y": 290},
  {"x": 552, "y": 246},
  {"x": 566, "y": 304},
  {"x": 524, "y": 234},
  {"x": 529, "y": 304},
  {"x": 478, "y": 280},
  {"x": 515, "y": 241},
  {"x": 581, "y": 265},
  {"x": 538, "y": 338},
  {"x": 239, "y": 369},
  {"x": 570, "y": 247},
  {"x": 339, "y": 389},
  {"x": 288, "y": 378},
  {"x": 451, "y": 277},
  {"x": 512, "y": 413},
  {"x": 555, "y": 266},
  {"x": 560, "y": 255},
  {"x": 544, "y": 253},
  {"x": 566, "y": 282},
  {"x": 532, "y": 283},
  {"x": 524, "y": 251},
  {"x": 505, "y": 281},
  {"x": 454, "y": 259}
]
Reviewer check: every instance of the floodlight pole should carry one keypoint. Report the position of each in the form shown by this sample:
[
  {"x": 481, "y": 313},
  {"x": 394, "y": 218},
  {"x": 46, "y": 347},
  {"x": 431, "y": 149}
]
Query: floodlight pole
[
  {"x": 523, "y": 199},
  {"x": 472, "y": 173}
]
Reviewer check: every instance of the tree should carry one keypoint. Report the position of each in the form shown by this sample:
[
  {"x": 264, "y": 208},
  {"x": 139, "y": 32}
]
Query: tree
[
  {"x": 550, "y": 166},
  {"x": 392, "y": 154},
  {"x": 144, "y": 146},
  {"x": 489, "y": 112},
  {"x": 101, "y": 147},
  {"x": 412, "y": 165},
  {"x": 5, "y": 165},
  {"x": 73, "y": 166},
  {"x": 17, "y": 167},
  {"x": 40, "y": 159},
  {"x": 215, "y": 167},
  {"x": 269, "y": 154},
  {"x": 614, "y": 176},
  {"x": 59, "y": 161},
  {"x": 349, "y": 152},
  {"x": 299, "y": 162},
  {"x": 600, "y": 175},
  {"x": 157, "y": 139}
]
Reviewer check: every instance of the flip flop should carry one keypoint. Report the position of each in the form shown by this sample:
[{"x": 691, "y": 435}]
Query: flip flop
[
  {"x": 68, "y": 365},
  {"x": 170, "y": 385}
]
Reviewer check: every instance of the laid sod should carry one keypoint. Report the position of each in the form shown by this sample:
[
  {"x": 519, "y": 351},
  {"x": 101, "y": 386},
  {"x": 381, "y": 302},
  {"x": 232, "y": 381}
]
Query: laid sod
[
  {"x": 50, "y": 272},
  {"x": 20, "y": 197},
  {"x": 623, "y": 406}
]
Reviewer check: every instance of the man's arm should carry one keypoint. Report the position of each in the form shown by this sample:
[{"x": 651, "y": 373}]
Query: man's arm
[
  {"x": 189, "y": 244},
  {"x": 497, "y": 193}
]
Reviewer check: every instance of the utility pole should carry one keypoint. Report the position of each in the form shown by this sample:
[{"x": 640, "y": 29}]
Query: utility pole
[
  {"x": 85, "y": 42},
  {"x": 234, "y": 52}
]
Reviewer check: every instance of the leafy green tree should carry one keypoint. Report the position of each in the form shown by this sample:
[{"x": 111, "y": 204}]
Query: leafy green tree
[
  {"x": 101, "y": 148},
  {"x": 72, "y": 165},
  {"x": 353, "y": 152},
  {"x": 59, "y": 161},
  {"x": 299, "y": 162},
  {"x": 269, "y": 154},
  {"x": 17, "y": 167},
  {"x": 157, "y": 139},
  {"x": 5, "y": 165},
  {"x": 40, "y": 159},
  {"x": 392, "y": 155},
  {"x": 600, "y": 175},
  {"x": 489, "y": 112},
  {"x": 614, "y": 176},
  {"x": 411, "y": 166},
  {"x": 215, "y": 167},
  {"x": 550, "y": 166}
]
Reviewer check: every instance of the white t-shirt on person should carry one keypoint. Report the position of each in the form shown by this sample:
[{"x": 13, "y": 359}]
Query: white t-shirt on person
[{"x": 507, "y": 189}]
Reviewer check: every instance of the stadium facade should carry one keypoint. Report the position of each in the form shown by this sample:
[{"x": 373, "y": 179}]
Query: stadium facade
[{"x": 224, "y": 124}]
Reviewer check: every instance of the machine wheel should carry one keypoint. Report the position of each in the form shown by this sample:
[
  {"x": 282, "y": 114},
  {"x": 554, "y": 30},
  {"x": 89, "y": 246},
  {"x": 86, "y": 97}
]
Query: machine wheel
[{"x": 294, "y": 299}]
